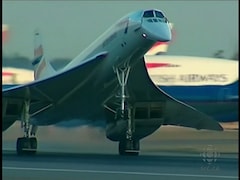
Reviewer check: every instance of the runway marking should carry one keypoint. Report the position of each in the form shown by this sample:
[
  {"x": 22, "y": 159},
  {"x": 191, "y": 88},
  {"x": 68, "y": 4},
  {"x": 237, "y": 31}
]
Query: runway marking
[{"x": 121, "y": 172}]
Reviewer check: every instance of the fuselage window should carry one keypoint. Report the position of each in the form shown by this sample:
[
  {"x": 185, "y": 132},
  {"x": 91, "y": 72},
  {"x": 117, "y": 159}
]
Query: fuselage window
[
  {"x": 148, "y": 14},
  {"x": 155, "y": 20},
  {"x": 159, "y": 14}
]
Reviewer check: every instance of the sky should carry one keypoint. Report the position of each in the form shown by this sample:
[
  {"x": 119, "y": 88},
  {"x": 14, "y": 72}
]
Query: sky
[{"x": 67, "y": 27}]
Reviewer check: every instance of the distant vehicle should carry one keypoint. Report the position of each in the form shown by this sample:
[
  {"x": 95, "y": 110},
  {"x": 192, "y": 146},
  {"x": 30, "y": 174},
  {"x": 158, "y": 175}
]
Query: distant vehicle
[{"x": 108, "y": 82}]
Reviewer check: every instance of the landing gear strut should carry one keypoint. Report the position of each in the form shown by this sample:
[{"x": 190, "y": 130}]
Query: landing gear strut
[
  {"x": 128, "y": 145},
  {"x": 26, "y": 144}
]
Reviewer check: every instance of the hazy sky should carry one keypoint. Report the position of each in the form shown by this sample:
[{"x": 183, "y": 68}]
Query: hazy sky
[{"x": 67, "y": 27}]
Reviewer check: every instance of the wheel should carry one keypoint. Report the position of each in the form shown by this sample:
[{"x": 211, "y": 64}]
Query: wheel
[
  {"x": 33, "y": 145},
  {"x": 22, "y": 144},
  {"x": 33, "y": 142},
  {"x": 26, "y": 145},
  {"x": 128, "y": 147},
  {"x": 19, "y": 146},
  {"x": 121, "y": 148}
]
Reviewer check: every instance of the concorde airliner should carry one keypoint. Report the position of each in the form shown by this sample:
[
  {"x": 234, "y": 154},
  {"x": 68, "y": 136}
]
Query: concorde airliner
[{"x": 106, "y": 82}]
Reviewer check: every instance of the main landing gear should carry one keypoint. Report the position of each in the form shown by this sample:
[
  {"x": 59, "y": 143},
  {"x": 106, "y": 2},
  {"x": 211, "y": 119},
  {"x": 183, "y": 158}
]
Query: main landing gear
[
  {"x": 27, "y": 144},
  {"x": 127, "y": 145}
]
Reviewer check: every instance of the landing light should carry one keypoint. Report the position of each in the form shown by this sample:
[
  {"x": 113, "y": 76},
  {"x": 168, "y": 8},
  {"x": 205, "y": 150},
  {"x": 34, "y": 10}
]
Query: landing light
[{"x": 144, "y": 35}]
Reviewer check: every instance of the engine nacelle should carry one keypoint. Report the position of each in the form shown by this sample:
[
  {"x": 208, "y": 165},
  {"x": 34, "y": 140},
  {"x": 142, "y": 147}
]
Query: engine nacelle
[{"x": 147, "y": 118}]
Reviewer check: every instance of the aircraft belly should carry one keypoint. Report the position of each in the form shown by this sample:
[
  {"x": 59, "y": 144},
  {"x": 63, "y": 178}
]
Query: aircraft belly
[
  {"x": 78, "y": 106},
  {"x": 84, "y": 104}
]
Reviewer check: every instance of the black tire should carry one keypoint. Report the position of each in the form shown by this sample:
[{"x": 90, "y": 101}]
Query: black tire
[
  {"x": 121, "y": 148},
  {"x": 22, "y": 143},
  {"x": 26, "y": 146},
  {"x": 33, "y": 142},
  {"x": 130, "y": 148},
  {"x": 19, "y": 146},
  {"x": 33, "y": 145}
]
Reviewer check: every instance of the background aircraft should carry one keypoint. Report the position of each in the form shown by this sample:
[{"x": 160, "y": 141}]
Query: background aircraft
[{"x": 208, "y": 84}]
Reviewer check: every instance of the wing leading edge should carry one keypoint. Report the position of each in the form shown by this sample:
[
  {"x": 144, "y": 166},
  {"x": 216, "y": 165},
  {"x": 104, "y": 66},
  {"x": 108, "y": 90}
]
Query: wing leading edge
[
  {"x": 175, "y": 112},
  {"x": 42, "y": 94}
]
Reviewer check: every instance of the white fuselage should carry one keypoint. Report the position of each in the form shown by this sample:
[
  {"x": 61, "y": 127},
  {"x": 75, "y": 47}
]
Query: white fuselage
[{"x": 125, "y": 42}]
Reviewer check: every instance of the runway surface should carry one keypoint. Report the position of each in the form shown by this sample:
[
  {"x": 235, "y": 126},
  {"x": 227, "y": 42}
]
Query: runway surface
[
  {"x": 171, "y": 153},
  {"x": 101, "y": 166}
]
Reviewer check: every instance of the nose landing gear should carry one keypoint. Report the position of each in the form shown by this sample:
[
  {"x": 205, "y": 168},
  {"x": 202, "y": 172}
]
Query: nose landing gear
[{"x": 128, "y": 145}]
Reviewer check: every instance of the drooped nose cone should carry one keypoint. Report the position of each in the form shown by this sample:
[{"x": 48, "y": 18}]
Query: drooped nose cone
[{"x": 157, "y": 31}]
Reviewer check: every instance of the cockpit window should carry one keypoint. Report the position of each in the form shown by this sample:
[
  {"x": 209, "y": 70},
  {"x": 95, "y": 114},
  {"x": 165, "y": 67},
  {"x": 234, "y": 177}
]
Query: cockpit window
[
  {"x": 148, "y": 14},
  {"x": 159, "y": 14},
  {"x": 154, "y": 16}
]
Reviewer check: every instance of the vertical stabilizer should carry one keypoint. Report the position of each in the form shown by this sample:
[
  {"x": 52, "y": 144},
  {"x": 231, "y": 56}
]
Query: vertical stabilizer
[{"x": 42, "y": 68}]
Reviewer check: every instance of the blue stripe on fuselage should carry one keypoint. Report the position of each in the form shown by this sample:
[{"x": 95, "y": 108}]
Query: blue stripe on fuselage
[
  {"x": 220, "y": 102},
  {"x": 203, "y": 93}
]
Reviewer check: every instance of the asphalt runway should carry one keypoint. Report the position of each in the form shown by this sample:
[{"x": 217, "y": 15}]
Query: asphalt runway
[
  {"x": 82, "y": 153},
  {"x": 77, "y": 166}
]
